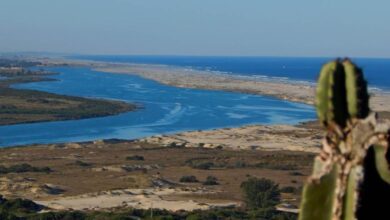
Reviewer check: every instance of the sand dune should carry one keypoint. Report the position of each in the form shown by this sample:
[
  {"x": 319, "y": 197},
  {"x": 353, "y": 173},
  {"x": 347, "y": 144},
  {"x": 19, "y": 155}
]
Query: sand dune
[
  {"x": 254, "y": 137},
  {"x": 137, "y": 198}
]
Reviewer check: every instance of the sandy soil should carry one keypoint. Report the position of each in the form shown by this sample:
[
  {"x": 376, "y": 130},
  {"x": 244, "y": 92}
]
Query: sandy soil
[
  {"x": 254, "y": 137},
  {"x": 136, "y": 198}
]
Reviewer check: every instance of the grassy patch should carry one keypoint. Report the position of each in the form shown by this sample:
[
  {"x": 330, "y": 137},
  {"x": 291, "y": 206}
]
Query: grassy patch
[
  {"x": 272, "y": 166},
  {"x": 273, "y": 162}
]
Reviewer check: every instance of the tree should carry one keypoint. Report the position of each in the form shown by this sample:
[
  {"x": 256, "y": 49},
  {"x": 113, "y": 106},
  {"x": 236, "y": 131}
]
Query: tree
[
  {"x": 210, "y": 181},
  {"x": 260, "y": 193}
]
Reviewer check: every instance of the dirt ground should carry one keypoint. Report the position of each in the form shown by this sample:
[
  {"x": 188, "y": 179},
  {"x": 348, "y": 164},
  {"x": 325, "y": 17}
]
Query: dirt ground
[{"x": 82, "y": 168}]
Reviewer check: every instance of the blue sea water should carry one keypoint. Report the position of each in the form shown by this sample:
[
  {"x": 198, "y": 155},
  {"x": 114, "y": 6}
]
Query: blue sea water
[
  {"x": 165, "y": 109},
  {"x": 377, "y": 71}
]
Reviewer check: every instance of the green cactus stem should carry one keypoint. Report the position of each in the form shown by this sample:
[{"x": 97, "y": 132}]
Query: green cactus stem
[
  {"x": 330, "y": 103},
  {"x": 356, "y": 86},
  {"x": 352, "y": 170},
  {"x": 320, "y": 191}
]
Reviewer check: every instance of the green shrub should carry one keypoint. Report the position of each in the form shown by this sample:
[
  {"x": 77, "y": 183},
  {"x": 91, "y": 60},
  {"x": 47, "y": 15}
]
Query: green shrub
[
  {"x": 270, "y": 213},
  {"x": 17, "y": 206},
  {"x": 211, "y": 181},
  {"x": 203, "y": 166},
  {"x": 296, "y": 173},
  {"x": 260, "y": 193},
  {"x": 135, "y": 157},
  {"x": 240, "y": 164},
  {"x": 188, "y": 179},
  {"x": 82, "y": 163},
  {"x": 22, "y": 168}
]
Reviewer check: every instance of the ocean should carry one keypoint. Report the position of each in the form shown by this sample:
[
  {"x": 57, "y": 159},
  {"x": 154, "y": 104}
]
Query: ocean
[{"x": 301, "y": 70}]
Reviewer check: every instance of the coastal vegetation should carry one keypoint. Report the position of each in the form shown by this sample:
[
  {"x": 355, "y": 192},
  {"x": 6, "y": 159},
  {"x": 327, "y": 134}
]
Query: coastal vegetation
[
  {"x": 189, "y": 179},
  {"x": 291, "y": 162},
  {"x": 135, "y": 157},
  {"x": 22, "y": 168},
  {"x": 103, "y": 164},
  {"x": 82, "y": 163},
  {"x": 211, "y": 181},
  {"x": 261, "y": 197},
  {"x": 27, "y": 106}
]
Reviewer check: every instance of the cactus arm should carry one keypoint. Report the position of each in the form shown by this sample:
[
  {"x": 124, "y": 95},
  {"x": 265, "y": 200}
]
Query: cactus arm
[
  {"x": 381, "y": 163},
  {"x": 331, "y": 103},
  {"x": 351, "y": 87},
  {"x": 319, "y": 197},
  {"x": 357, "y": 96},
  {"x": 350, "y": 199},
  {"x": 322, "y": 97}
]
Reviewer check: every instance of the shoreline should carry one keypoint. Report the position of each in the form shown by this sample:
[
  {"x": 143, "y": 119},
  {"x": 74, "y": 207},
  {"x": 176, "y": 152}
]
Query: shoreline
[{"x": 182, "y": 77}]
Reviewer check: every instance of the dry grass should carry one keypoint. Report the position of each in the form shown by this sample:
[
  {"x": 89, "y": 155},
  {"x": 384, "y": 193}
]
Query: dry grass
[{"x": 172, "y": 164}]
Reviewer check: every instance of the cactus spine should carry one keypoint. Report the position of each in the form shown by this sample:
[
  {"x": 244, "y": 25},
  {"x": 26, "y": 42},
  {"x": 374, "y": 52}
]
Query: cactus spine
[{"x": 354, "y": 150}]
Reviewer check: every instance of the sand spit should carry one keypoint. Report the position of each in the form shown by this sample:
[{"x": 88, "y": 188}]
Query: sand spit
[
  {"x": 187, "y": 78},
  {"x": 190, "y": 78},
  {"x": 136, "y": 198}
]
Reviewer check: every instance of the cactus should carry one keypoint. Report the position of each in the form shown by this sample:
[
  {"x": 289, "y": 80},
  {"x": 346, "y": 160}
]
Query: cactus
[{"x": 351, "y": 174}]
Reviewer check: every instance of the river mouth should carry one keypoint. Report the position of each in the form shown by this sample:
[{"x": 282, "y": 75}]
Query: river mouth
[{"x": 165, "y": 109}]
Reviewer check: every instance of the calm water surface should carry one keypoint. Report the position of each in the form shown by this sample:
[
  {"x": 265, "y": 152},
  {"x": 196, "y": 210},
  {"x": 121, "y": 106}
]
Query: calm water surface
[{"x": 165, "y": 109}]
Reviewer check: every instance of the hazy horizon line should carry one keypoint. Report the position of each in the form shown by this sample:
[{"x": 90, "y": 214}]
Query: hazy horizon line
[{"x": 64, "y": 54}]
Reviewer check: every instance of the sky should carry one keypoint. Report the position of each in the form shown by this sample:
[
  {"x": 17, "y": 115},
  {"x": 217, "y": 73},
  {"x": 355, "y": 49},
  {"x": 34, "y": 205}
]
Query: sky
[{"x": 358, "y": 28}]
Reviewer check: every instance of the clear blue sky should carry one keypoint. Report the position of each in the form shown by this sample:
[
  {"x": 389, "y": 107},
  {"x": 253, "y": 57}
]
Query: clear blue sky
[{"x": 198, "y": 27}]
